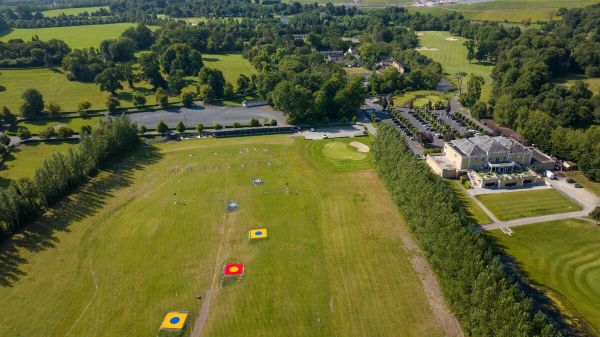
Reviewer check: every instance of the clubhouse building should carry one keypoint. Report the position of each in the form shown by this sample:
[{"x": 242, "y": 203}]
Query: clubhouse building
[{"x": 488, "y": 161}]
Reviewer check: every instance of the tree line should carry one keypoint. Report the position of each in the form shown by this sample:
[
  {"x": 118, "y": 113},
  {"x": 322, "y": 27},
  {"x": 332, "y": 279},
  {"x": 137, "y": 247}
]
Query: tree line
[
  {"x": 17, "y": 53},
  {"x": 26, "y": 199},
  {"x": 485, "y": 298}
]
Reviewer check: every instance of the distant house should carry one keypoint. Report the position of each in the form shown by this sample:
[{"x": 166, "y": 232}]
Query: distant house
[
  {"x": 392, "y": 62},
  {"x": 284, "y": 20},
  {"x": 336, "y": 56},
  {"x": 299, "y": 36},
  {"x": 353, "y": 40}
]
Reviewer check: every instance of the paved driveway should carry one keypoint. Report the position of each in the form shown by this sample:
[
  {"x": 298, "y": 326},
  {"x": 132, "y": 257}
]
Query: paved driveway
[{"x": 207, "y": 115}]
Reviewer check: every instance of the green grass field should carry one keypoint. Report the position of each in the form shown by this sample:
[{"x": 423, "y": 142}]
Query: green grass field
[
  {"x": 75, "y": 36},
  {"x": 524, "y": 204},
  {"x": 450, "y": 52},
  {"x": 26, "y": 158},
  {"x": 569, "y": 81},
  {"x": 421, "y": 98},
  {"x": 232, "y": 65},
  {"x": 76, "y": 123},
  {"x": 474, "y": 211},
  {"x": 71, "y": 11},
  {"x": 118, "y": 255},
  {"x": 563, "y": 258}
]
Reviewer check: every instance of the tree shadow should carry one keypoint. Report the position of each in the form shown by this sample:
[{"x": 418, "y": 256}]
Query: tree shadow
[
  {"x": 56, "y": 70},
  {"x": 2, "y": 88},
  {"x": 83, "y": 203}
]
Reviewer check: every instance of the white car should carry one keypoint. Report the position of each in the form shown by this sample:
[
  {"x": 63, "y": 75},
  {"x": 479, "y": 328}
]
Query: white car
[
  {"x": 325, "y": 136},
  {"x": 375, "y": 101}
]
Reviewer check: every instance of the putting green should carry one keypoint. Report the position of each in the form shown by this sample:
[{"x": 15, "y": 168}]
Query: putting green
[{"x": 342, "y": 151}]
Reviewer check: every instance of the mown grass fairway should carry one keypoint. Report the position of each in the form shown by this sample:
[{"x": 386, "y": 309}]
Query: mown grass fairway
[
  {"x": 524, "y": 204},
  {"x": 72, "y": 11},
  {"x": 76, "y": 37},
  {"x": 563, "y": 257},
  {"x": 450, "y": 52},
  {"x": 26, "y": 158},
  {"x": 232, "y": 65},
  {"x": 476, "y": 213},
  {"x": 121, "y": 253}
]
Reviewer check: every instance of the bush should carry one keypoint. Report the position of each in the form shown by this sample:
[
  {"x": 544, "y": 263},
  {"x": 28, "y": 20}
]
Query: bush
[
  {"x": 187, "y": 98},
  {"x": 237, "y": 125},
  {"x": 462, "y": 179},
  {"x": 64, "y": 132},
  {"x": 83, "y": 106},
  {"x": 162, "y": 98},
  {"x": 112, "y": 103},
  {"x": 54, "y": 109},
  {"x": 24, "y": 133},
  {"x": 595, "y": 214},
  {"x": 180, "y": 127},
  {"x": 200, "y": 128},
  {"x": 139, "y": 100},
  {"x": 162, "y": 127},
  {"x": 4, "y": 139},
  {"x": 33, "y": 103},
  {"x": 48, "y": 133},
  {"x": 218, "y": 126},
  {"x": 354, "y": 119},
  {"x": 273, "y": 122},
  {"x": 486, "y": 300},
  {"x": 142, "y": 129},
  {"x": 254, "y": 123}
]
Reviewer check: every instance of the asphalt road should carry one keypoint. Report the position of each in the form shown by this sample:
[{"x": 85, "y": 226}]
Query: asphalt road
[{"x": 207, "y": 115}]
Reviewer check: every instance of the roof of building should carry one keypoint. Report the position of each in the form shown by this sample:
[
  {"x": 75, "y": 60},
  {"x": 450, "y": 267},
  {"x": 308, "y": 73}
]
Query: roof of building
[{"x": 482, "y": 145}]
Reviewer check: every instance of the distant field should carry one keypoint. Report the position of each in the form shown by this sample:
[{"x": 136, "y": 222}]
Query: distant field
[
  {"x": 74, "y": 36},
  {"x": 26, "y": 158},
  {"x": 71, "y": 11},
  {"x": 470, "y": 207},
  {"x": 563, "y": 258},
  {"x": 452, "y": 54},
  {"x": 232, "y": 65},
  {"x": 118, "y": 255},
  {"x": 54, "y": 86},
  {"x": 524, "y": 204},
  {"x": 593, "y": 83},
  {"x": 357, "y": 71}
]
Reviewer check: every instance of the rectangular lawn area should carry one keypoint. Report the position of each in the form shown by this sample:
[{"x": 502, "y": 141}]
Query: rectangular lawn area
[
  {"x": 524, "y": 204},
  {"x": 474, "y": 211},
  {"x": 232, "y": 65}
]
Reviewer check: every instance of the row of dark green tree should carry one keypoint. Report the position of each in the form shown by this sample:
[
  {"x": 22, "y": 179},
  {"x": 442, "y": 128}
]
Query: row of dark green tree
[
  {"x": 26, "y": 199},
  {"x": 483, "y": 296}
]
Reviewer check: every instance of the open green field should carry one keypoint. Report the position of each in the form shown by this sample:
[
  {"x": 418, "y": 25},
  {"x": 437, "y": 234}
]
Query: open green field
[
  {"x": 71, "y": 11},
  {"x": 421, "y": 98},
  {"x": 35, "y": 126},
  {"x": 119, "y": 254},
  {"x": 524, "y": 204},
  {"x": 563, "y": 258},
  {"x": 471, "y": 208},
  {"x": 357, "y": 71},
  {"x": 232, "y": 65},
  {"x": 26, "y": 158},
  {"x": 76, "y": 37},
  {"x": 569, "y": 81},
  {"x": 450, "y": 52}
]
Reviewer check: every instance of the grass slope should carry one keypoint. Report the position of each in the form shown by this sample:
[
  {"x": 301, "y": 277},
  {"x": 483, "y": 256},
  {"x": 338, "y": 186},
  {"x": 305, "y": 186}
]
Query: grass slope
[
  {"x": 452, "y": 55},
  {"x": 563, "y": 257},
  {"x": 26, "y": 158},
  {"x": 71, "y": 11},
  {"x": 474, "y": 211},
  {"x": 120, "y": 254},
  {"x": 76, "y": 37},
  {"x": 524, "y": 204}
]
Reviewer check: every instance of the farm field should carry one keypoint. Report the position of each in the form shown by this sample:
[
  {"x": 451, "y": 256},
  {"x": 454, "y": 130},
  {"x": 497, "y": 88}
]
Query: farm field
[
  {"x": 474, "y": 211},
  {"x": 333, "y": 264},
  {"x": 450, "y": 52},
  {"x": 524, "y": 204},
  {"x": 71, "y": 11},
  {"x": 568, "y": 270},
  {"x": 232, "y": 65},
  {"x": 76, "y": 37},
  {"x": 26, "y": 158}
]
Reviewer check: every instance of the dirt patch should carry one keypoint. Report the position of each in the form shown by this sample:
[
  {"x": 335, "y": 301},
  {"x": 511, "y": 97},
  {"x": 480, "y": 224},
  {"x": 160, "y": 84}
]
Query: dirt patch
[
  {"x": 360, "y": 146},
  {"x": 451, "y": 38},
  {"x": 426, "y": 49},
  {"x": 420, "y": 34}
]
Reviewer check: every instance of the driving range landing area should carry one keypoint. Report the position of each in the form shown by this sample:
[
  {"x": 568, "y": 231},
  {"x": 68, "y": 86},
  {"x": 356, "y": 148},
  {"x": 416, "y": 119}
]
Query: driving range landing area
[
  {"x": 148, "y": 237},
  {"x": 563, "y": 259}
]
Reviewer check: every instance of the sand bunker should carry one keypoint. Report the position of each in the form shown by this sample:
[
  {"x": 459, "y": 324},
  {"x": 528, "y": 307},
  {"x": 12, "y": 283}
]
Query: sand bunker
[
  {"x": 360, "y": 146},
  {"x": 451, "y": 38},
  {"x": 420, "y": 34},
  {"x": 426, "y": 49}
]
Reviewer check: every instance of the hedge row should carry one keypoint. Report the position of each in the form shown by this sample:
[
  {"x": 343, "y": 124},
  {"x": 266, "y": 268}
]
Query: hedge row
[
  {"x": 475, "y": 283},
  {"x": 26, "y": 199}
]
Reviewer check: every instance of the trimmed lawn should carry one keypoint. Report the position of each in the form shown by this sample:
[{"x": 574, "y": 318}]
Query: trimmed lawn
[
  {"x": 76, "y": 37},
  {"x": 333, "y": 264},
  {"x": 232, "y": 65},
  {"x": 26, "y": 158},
  {"x": 525, "y": 204},
  {"x": 450, "y": 52},
  {"x": 578, "y": 176},
  {"x": 75, "y": 123},
  {"x": 563, "y": 259},
  {"x": 474, "y": 211},
  {"x": 421, "y": 98},
  {"x": 72, "y": 11},
  {"x": 357, "y": 71}
]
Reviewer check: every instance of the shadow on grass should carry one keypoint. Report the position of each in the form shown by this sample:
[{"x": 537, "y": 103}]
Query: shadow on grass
[{"x": 83, "y": 203}]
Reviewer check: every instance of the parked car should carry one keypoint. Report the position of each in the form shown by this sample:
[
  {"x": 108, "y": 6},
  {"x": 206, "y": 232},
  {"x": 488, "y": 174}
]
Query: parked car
[
  {"x": 375, "y": 101},
  {"x": 577, "y": 185}
]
